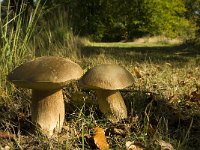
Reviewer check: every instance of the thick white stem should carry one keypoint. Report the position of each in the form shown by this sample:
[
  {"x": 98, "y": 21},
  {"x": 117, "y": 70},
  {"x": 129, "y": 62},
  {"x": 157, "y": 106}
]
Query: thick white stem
[
  {"x": 112, "y": 105},
  {"x": 48, "y": 110}
]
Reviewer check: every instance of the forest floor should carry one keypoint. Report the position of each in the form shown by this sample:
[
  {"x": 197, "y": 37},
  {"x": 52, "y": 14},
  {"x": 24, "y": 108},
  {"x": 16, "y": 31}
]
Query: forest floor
[{"x": 163, "y": 104}]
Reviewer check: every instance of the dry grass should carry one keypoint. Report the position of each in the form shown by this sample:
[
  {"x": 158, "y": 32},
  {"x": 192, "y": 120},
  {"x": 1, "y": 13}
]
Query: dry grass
[
  {"x": 140, "y": 42},
  {"x": 159, "y": 39},
  {"x": 160, "y": 103}
]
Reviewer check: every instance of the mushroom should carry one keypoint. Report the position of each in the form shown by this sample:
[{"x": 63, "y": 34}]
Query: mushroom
[
  {"x": 106, "y": 80},
  {"x": 46, "y": 76}
]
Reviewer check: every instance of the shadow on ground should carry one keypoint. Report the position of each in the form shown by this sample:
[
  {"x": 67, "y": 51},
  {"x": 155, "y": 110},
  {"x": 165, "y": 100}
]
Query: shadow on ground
[
  {"x": 155, "y": 54},
  {"x": 176, "y": 121}
]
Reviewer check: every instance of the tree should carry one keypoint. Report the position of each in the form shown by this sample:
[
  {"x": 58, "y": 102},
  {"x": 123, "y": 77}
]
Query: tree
[
  {"x": 115, "y": 20},
  {"x": 193, "y": 14},
  {"x": 168, "y": 18}
]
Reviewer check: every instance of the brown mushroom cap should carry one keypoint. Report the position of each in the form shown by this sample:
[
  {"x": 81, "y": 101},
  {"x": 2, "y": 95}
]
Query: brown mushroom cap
[
  {"x": 107, "y": 76},
  {"x": 45, "y": 73}
]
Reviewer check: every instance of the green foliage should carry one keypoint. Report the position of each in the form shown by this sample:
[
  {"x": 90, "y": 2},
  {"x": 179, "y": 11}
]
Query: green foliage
[
  {"x": 15, "y": 36},
  {"x": 116, "y": 20},
  {"x": 193, "y": 14},
  {"x": 112, "y": 20},
  {"x": 87, "y": 17},
  {"x": 167, "y": 18}
]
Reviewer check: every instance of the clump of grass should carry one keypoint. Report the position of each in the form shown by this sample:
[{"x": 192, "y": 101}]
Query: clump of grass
[
  {"x": 15, "y": 39},
  {"x": 54, "y": 36}
]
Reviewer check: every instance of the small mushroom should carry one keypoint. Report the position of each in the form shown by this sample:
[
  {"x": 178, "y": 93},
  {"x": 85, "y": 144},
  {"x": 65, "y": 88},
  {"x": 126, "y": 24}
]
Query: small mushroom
[
  {"x": 106, "y": 80},
  {"x": 46, "y": 76}
]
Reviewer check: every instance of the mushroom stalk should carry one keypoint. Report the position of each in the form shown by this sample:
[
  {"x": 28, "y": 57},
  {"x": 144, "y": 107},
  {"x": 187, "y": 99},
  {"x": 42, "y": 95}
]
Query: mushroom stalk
[
  {"x": 48, "y": 110},
  {"x": 111, "y": 104}
]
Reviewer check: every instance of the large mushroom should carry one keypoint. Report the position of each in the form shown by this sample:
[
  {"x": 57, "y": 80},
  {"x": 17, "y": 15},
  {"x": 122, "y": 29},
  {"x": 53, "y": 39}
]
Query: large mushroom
[
  {"x": 107, "y": 80},
  {"x": 46, "y": 76}
]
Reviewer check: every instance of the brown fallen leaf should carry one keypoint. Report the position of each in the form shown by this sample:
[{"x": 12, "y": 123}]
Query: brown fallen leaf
[
  {"x": 119, "y": 131},
  {"x": 100, "y": 139},
  {"x": 164, "y": 145},
  {"x": 116, "y": 131},
  {"x": 6, "y": 135},
  {"x": 134, "y": 146}
]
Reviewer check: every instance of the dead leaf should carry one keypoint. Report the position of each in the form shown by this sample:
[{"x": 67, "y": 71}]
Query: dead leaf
[
  {"x": 119, "y": 131},
  {"x": 164, "y": 145},
  {"x": 100, "y": 139},
  {"x": 6, "y": 135},
  {"x": 137, "y": 72},
  {"x": 134, "y": 146},
  {"x": 115, "y": 131}
]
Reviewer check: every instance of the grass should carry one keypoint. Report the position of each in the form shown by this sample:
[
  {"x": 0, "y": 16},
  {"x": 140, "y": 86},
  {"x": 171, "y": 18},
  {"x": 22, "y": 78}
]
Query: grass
[
  {"x": 169, "y": 74},
  {"x": 129, "y": 44},
  {"x": 163, "y": 104},
  {"x": 155, "y": 41}
]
